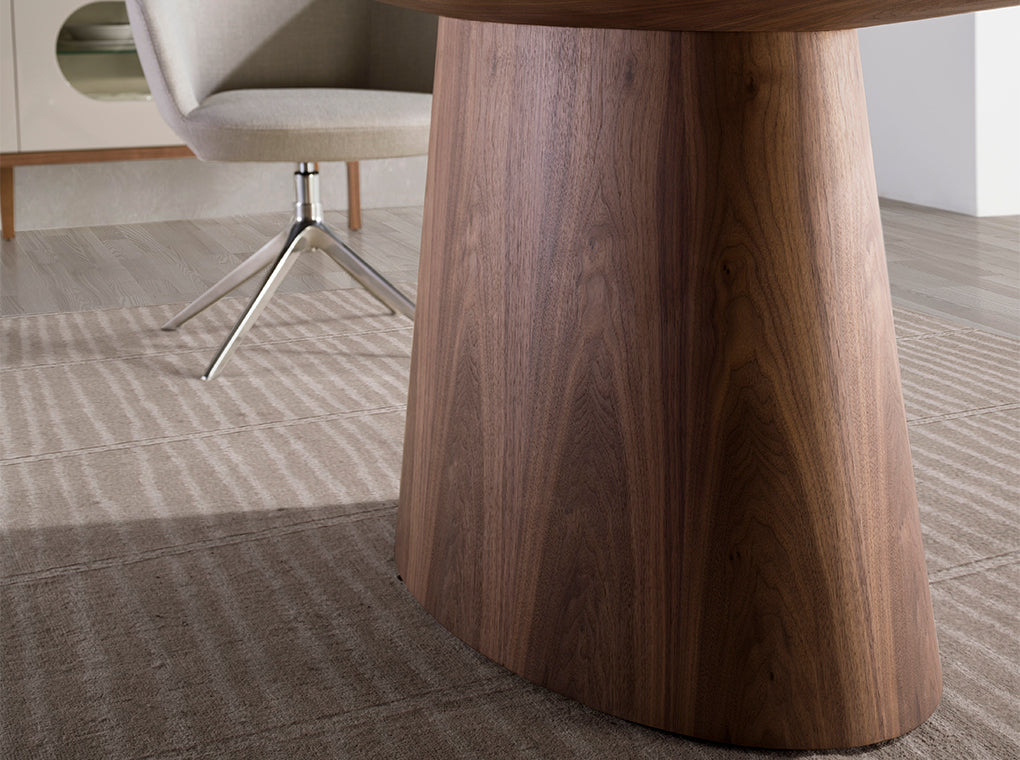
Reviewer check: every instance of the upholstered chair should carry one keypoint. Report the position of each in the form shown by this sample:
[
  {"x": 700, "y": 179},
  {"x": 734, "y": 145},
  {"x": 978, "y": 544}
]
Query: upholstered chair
[{"x": 301, "y": 81}]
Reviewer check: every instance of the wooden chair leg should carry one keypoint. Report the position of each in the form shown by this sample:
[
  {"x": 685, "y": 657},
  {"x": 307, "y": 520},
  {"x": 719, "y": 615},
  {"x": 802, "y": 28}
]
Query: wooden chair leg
[
  {"x": 353, "y": 196},
  {"x": 7, "y": 201}
]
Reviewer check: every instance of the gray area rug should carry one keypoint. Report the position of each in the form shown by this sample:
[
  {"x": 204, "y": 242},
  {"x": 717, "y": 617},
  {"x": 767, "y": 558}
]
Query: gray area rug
[{"x": 204, "y": 570}]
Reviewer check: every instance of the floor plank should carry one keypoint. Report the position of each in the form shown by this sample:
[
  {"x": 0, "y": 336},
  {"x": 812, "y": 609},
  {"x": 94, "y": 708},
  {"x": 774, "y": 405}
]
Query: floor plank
[
  {"x": 962, "y": 268},
  {"x": 959, "y": 267}
]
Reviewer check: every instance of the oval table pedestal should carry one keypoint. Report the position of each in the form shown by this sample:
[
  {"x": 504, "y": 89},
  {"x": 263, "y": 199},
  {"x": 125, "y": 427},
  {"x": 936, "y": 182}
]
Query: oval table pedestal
[{"x": 656, "y": 454}]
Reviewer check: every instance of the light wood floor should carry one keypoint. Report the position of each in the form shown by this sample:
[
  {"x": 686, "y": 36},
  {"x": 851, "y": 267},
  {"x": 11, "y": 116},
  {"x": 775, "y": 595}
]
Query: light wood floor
[
  {"x": 960, "y": 267},
  {"x": 946, "y": 264}
]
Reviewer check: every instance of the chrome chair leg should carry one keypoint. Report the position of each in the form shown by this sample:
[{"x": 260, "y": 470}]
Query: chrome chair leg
[
  {"x": 279, "y": 254},
  {"x": 277, "y": 272},
  {"x": 327, "y": 241},
  {"x": 250, "y": 267}
]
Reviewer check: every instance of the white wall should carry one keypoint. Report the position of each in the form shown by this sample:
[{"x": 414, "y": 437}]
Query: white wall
[
  {"x": 919, "y": 82},
  {"x": 998, "y": 112},
  {"x": 944, "y": 107}
]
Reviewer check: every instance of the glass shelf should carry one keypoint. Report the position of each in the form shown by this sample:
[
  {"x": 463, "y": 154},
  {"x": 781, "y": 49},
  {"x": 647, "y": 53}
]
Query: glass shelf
[
  {"x": 97, "y": 55},
  {"x": 71, "y": 48}
]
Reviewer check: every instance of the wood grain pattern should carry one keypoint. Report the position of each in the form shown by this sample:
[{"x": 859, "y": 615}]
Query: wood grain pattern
[
  {"x": 702, "y": 15},
  {"x": 656, "y": 454},
  {"x": 42, "y": 157}
]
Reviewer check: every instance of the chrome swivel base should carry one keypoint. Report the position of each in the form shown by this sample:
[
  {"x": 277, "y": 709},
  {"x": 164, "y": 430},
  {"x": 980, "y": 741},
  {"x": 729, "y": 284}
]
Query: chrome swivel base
[{"x": 279, "y": 254}]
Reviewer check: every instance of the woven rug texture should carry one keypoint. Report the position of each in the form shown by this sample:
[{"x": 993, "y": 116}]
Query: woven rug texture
[{"x": 205, "y": 570}]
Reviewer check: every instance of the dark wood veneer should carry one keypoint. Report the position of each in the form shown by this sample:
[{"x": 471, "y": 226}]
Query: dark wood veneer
[
  {"x": 702, "y": 15},
  {"x": 656, "y": 454}
]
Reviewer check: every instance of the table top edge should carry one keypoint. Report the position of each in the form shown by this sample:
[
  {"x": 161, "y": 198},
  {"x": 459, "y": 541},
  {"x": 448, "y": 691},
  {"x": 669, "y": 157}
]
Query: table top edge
[{"x": 702, "y": 15}]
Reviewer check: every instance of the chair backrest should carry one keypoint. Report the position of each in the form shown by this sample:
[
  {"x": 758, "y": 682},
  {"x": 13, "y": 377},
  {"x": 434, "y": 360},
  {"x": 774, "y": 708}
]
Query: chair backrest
[
  {"x": 401, "y": 48},
  {"x": 191, "y": 49}
]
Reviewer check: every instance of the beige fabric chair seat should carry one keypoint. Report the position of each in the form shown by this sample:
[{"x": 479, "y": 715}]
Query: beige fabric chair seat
[{"x": 308, "y": 124}]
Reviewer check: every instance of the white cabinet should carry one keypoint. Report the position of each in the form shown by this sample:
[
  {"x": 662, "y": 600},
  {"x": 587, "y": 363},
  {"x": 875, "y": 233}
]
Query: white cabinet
[
  {"x": 72, "y": 91},
  {"x": 8, "y": 103},
  {"x": 106, "y": 106}
]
